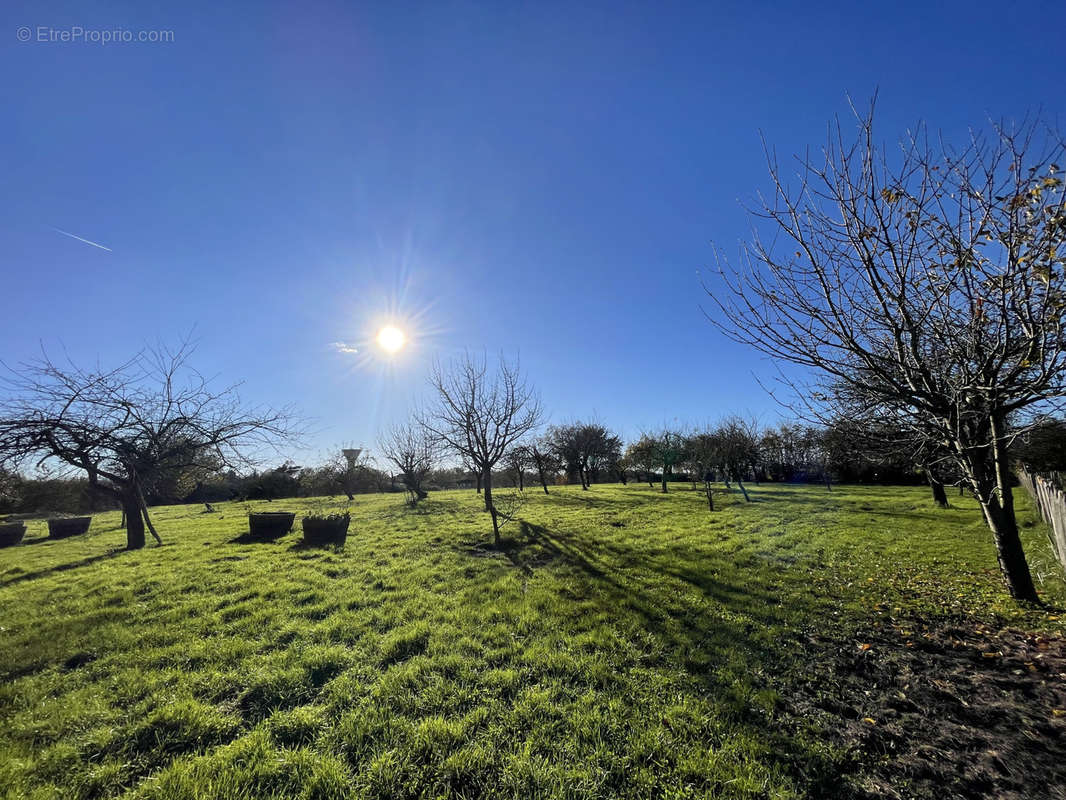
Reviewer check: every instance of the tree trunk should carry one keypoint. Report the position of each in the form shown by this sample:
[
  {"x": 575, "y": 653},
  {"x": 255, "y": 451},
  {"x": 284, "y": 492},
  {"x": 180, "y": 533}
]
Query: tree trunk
[
  {"x": 540, "y": 472},
  {"x": 664, "y": 479},
  {"x": 478, "y": 477},
  {"x": 131, "y": 507},
  {"x": 651, "y": 479},
  {"x": 710, "y": 495},
  {"x": 1009, "y": 549},
  {"x": 989, "y": 475},
  {"x": 583, "y": 474},
  {"x": 939, "y": 495},
  {"x": 622, "y": 477},
  {"x": 417, "y": 491},
  {"x": 1009, "y": 552},
  {"x": 743, "y": 491},
  {"x": 491, "y": 507},
  {"x": 521, "y": 481}
]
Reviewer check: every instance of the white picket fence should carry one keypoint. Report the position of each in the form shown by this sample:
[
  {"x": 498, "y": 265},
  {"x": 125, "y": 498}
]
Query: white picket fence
[{"x": 1051, "y": 501}]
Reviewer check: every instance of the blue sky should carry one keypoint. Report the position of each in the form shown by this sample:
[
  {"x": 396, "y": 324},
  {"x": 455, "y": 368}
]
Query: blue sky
[{"x": 543, "y": 178}]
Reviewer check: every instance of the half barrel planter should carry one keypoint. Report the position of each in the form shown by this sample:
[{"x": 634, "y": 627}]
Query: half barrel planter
[
  {"x": 11, "y": 533},
  {"x": 267, "y": 525},
  {"x": 332, "y": 529},
  {"x": 65, "y": 527}
]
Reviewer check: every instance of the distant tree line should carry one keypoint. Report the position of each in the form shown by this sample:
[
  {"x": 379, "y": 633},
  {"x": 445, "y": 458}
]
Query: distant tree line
[{"x": 733, "y": 452}]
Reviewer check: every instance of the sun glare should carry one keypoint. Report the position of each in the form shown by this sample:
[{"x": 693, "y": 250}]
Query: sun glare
[{"x": 391, "y": 339}]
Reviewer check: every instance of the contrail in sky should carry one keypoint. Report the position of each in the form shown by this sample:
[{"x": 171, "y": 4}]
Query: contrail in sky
[{"x": 73, "y": 236}]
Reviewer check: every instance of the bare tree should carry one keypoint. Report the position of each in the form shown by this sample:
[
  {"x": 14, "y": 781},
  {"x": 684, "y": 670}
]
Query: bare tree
[
  {"x": 545, "y": 460},
  {"x": 479, "y": 414},
  {"x": 667, "y": 448},
  {"x": 516, "y": 460},
  {"x": 414, "y": 453},
  {"x": 705, "y": 454},
  {"x": 738, "y": 448},
  {"x": 930, "y": 283},
  {"x": 128, "y": 427}
]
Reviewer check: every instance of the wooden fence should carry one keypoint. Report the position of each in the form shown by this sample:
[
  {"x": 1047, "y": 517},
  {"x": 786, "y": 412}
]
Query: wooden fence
[{"x": 1051, "y": 502}]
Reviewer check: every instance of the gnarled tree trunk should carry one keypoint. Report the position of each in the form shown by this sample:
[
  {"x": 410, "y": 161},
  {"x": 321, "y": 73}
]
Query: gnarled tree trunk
[
  {"x": 937, "y": 485},
  {"x": 540, "y": 470},
  {"x": 131, "y": 507}
]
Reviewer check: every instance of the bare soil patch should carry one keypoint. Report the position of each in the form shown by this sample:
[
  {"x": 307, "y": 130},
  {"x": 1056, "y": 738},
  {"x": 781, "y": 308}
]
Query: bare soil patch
[{"x": 940, "y": 709}]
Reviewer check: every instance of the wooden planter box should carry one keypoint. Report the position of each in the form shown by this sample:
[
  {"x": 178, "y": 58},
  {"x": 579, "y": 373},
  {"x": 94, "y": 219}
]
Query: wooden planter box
[
  {"x": 11, "y": 533},
  {"x": 68, "y": 526},
  {"x": 326, "y": 530},
  {"x": 270, "y": 524}
]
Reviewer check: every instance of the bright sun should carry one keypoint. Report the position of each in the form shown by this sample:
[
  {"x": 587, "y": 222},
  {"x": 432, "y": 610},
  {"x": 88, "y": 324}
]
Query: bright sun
[{"x": 391, "y": 339}]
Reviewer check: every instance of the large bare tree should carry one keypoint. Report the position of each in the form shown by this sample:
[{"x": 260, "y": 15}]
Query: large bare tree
[
  {"x": 128, "y": 427},
  {"x": 479, "y": 414},
  {"x": 929, "y": 282}
]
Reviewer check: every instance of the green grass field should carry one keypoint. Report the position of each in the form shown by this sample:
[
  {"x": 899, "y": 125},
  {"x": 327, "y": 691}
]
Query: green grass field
[{"x": 624, "y": 644}]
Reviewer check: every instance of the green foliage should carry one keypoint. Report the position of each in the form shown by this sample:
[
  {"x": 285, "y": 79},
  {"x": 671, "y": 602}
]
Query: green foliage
[{"x": 624, "y": 643}]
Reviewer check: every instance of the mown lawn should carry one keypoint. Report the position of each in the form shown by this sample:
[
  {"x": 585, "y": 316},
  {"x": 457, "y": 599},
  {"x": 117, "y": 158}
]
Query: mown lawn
[{"x": 625, "y": 644}]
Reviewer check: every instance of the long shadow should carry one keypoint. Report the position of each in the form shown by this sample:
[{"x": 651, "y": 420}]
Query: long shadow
[
  {"x": 36, "y": 540},
  {"x": 592, "y": 499},
  {"x": 881, "y": 506},
  {"x": 601, "y": 560},
  {"x": 29, "y": 576},
  {"x": 700, "y": 642}
]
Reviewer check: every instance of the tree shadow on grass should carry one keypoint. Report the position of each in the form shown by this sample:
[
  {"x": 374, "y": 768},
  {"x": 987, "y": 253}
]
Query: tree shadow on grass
[
  {"x": 594, "y": 499},
  {"x": 36, "y": 540},
  {"x": 712, "y": 635},
  {"x": 42, "y": 573}
]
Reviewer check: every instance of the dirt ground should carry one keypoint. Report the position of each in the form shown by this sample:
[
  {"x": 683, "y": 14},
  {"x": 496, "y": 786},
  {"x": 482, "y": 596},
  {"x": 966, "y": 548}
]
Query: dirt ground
[{"x": 944, "y": 710}]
